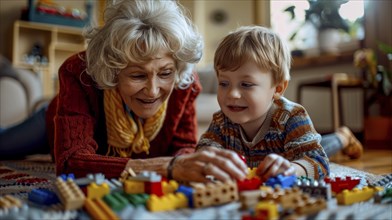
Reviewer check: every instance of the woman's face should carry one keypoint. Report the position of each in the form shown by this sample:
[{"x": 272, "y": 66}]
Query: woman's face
[{"x": 144, "y": 87}]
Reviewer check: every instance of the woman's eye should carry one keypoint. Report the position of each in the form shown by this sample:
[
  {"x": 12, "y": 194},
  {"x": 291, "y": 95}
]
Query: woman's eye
[
  {"x": 137, "y": 76},
  {"x": 166, "y": 74}
]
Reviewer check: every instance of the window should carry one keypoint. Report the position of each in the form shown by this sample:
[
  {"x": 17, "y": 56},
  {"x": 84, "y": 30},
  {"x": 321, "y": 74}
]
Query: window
[{"x": 307, "y": 35}]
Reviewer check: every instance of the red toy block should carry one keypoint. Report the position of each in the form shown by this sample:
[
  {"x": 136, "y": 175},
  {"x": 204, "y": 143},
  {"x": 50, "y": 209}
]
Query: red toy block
[
  {"x": 339, "y": 184},
  {"x": 249, "y": 184},
  {"x": 153, "y": 188}
]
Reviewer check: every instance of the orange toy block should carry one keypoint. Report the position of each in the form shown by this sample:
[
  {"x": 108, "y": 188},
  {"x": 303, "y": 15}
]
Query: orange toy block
[
  {"x": 133, "y": 187},
  {"x": 99, "y": 210},
  {"x": 9, "y": 201},
  {"x": 95, "y": 191},
  {"x": 70, "y": 194},
  {"x": 214, "y": 193},
  {"x": 167, "y": 202}
]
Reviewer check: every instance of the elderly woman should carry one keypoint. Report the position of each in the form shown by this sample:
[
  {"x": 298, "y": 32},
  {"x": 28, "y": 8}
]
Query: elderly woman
[{"x": 129, "y": 99}]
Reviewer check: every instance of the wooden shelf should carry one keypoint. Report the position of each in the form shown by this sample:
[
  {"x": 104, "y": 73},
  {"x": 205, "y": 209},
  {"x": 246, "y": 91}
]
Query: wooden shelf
[
  {"x": 57, "y": 43},
  {"x": 322, "y": 60}
]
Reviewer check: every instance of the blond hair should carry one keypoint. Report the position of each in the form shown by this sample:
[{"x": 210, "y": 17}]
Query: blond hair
[
  {"x": 135, "y": 31},
  {"x": 258, "y": 44}
]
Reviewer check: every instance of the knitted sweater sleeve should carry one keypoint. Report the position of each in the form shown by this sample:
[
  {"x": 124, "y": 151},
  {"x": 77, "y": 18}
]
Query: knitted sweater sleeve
[
  {"x": 302, "y": 144},
  {"x": 74, "y": 125}
]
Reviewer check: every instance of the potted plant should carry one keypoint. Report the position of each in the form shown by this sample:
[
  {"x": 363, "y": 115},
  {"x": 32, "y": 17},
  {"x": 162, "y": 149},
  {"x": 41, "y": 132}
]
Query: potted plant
[{"x": 324, "y": 16}]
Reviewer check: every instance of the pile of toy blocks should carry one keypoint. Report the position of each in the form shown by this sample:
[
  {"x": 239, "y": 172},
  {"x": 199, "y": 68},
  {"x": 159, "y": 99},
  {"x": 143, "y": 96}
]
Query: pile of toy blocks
[{"x": 96, "y": 197}]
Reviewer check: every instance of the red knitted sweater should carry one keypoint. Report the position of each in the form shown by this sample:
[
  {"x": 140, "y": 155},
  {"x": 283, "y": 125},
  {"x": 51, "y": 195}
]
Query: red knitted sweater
[{"x": 77, "y": 129}]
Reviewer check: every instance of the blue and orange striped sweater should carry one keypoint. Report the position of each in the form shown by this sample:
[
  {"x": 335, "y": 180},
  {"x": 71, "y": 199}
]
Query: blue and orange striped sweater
[{"x": 287, "y": 131}]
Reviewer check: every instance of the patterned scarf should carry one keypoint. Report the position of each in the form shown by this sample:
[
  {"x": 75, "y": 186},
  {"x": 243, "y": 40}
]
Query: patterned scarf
[{"x": 127, "y": 134}]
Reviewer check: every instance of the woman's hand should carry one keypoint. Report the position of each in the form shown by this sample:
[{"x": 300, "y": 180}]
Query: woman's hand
[
  {"x": 273, "y": 165},
  {"x": 219, "y": 163}
]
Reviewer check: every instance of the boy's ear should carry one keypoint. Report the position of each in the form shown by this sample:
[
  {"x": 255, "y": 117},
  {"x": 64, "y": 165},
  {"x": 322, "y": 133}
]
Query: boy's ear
[{"x": 280, "y": 88}]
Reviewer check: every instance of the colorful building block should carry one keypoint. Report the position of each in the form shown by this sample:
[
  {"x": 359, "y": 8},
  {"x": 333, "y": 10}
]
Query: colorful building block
[
  {"x": 266, "y": 210},
  {"x": 153, "y": 188},
  {"x": 249, "y": 184},
  {"x": 282, "y": 181},
  {"x": 95, "y": 191},
  {"x": 70, "y": 194},
  {"x": 167, "y": 202},
  {"x": 116, "y": 201},
  {"x": 249, "y": 199},
  {"x": 188, "y": 192},
  {"x": 66, "y": 176},
  {"x": 146, "y": 176},
  {"x": 97, "y": 209},
  {"x": 115, "y": 185},
  {"x": 133, "y": 186},
  {"x": 251, "y": 173},
  {"x": 169, "y": 187},
  {"x": 348, "y": 197},
  {"x": 315, "y": 188},
  {"x": 9, "y": 201},
  {"x": 338, "y": 184},
  {"x": 137, "y": 199},
  {"x": 43, "y": 197},
  {"x": 214, "y": 193}
]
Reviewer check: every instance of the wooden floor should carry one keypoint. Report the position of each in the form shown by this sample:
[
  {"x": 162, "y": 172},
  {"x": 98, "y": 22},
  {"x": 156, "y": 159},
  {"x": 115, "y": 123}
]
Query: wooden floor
[{"x": 376, "y": 161}]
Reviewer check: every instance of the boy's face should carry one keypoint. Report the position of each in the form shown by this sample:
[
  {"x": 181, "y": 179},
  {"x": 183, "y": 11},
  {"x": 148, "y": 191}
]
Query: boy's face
[{"x": 246, "y": 94}]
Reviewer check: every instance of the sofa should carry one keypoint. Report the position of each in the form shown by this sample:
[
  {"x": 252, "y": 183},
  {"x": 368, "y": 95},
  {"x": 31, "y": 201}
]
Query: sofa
[{"x": 20, "y": 93}]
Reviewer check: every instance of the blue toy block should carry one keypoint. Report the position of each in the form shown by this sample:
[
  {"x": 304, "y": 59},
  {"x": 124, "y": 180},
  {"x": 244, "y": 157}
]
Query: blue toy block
[
  {"x": 43, "y": 197},
  {"x": 282, "y": 181},
  {"x": 67, "y": 176},
  {"x": 188, "y": 192}
]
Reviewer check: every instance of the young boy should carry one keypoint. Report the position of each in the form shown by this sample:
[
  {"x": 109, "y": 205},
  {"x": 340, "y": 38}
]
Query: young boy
[{"x": 272, "y": 133}]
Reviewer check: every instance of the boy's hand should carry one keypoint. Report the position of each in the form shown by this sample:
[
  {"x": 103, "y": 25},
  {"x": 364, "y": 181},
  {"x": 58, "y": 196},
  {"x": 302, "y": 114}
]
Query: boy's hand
[{"x": 273, "y": 165}]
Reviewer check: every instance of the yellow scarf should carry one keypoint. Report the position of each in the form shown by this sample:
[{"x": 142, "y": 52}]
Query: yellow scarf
[{"x": 126, "y": 136}]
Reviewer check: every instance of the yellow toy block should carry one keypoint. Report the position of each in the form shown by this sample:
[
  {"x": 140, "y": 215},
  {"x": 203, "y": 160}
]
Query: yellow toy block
[
  {"x": 95, "y": 191},
  {"x": 169, "y": 187},
  {"x": 348, "y": 197},
  {"x": 70, "y": 194},
  {"x": 251, "y": 172},
  {"x": 9, "y": 201},
  {"x": 167, "y": 202},
  {"x": 133, "y": 187},
  {"x": 267, "y": 210},
  {"x": 99, "y": 210}
]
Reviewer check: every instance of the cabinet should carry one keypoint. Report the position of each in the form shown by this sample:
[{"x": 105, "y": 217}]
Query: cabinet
[{"x": 56, "y": 42}]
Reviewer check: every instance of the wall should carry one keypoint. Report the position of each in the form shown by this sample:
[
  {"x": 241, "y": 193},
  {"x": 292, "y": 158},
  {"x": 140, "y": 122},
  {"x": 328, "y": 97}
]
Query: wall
[
  {"x": 215, "y": 18},
  {"x": 10, "y": 10}
]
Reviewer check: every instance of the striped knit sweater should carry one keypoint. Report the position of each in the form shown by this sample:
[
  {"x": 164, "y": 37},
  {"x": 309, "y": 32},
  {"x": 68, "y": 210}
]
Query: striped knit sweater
[{"x": 287, "y": 131}]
